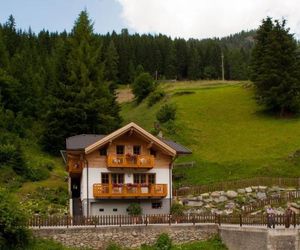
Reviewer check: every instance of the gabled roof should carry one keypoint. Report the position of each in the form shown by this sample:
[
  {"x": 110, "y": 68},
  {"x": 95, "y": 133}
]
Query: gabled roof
[
  {"x": 91, "y": 142},
  {"x": 79, "y": 142}
]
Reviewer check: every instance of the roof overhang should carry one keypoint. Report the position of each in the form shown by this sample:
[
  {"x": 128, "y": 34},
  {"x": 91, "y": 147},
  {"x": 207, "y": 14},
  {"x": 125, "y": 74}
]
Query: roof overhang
[{"x": 131, "y": 126}]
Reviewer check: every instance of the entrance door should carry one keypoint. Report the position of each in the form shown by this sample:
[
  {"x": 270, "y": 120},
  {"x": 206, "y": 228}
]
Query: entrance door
[{"x": 75, "y": 187}]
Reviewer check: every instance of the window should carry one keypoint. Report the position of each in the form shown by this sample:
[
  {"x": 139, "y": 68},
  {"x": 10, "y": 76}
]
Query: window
[
  {"x": 117, "y": 178},
  {"x": 105, "y": 178},
  {"x": 139, "y": 178},
  {"x": 156, "y": 205},
  {"x": 103, "y": 151},
  {"x": 151, "y": 178},
  {"x": 153, "y": 152},
  {"x": 120, "y": 149},
  {"x": 101, "y": 209},
  {"x": 137, "y": 150},
  {"x": 115, "y": 210}
]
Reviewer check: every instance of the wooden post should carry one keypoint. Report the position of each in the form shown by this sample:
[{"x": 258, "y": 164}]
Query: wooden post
[
  {"x": 294, "y": 219},
  {"x": 169, "y": 219},
  {"x": 219, "y": 219},
  {"x": 241, "y": 222}
]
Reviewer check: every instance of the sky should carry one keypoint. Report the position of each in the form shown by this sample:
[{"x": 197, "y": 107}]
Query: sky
[{"x": 176, "y": 18}]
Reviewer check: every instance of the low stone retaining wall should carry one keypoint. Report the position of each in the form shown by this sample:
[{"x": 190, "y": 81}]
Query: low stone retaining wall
[
  {"x": 127, "y": 236},
  {"x": 247, "y": 238}
]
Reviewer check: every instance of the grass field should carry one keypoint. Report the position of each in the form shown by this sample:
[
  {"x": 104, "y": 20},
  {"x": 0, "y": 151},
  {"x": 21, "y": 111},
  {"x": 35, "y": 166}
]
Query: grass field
[{"x": 229, "y": 134}]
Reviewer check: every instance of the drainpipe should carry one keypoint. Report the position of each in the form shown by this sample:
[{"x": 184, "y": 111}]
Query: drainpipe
[
  {"x": 170, "y": 181},
  {"x": 87, "y": 187}
]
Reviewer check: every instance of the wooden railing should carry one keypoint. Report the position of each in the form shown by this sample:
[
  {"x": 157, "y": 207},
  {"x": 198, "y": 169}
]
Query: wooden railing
[
  {"x": 130, "y": 161},
  {"x": 129, "y": 190},
  {"x": 119, "y": 220},
  {"x": 75, "y": 166},
  {"x": 235, "y": 184}
]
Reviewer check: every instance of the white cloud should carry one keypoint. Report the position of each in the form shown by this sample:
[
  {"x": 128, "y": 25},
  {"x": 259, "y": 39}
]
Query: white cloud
[{"x": 206, "y": 18}]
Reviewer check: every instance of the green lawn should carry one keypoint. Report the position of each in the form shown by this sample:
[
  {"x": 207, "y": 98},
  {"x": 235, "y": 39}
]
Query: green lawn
[{"x": 229, "y": 134}]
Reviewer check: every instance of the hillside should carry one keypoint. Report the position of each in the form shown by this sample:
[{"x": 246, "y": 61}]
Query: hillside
[{"x": 230, "y": 136}]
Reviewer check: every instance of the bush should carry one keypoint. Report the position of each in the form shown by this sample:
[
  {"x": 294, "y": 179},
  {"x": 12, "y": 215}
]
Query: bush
[
  {"x": 177, "y": 209},
  {"x": 142, "y": 86},
  {"x": 134, "y": 209},
  {"x": 166, "y": 113},
  {"x": 13, "y": 231},
  {"x": 155, "y": 97},
  {"x": 163, "y": 242}
]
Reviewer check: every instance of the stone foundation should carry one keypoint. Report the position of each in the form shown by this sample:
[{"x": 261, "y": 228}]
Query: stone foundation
[{"x": 130, "y": 236}]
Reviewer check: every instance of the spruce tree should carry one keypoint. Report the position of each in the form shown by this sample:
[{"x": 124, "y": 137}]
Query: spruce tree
[
  {"x": 111, "y": 63},
  {"x": 84, "y": 103},
  {"x": 275, "y": 68}
]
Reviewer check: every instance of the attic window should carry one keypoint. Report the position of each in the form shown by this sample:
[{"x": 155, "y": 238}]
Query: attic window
[
  {"x": 137, "y": 149},
  {"x": 120, "y": 149}
]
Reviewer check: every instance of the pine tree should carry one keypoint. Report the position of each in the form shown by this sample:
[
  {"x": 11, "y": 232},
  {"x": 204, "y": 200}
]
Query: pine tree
[
  {"x": 84, "y": 103},
  {"x": 111, "y": 63},
  {"x": 275, "y": 67}
]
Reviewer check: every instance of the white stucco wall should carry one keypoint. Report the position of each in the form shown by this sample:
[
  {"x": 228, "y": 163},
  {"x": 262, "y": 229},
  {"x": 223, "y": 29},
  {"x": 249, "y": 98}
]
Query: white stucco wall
[{"x": 162, "y": 177}]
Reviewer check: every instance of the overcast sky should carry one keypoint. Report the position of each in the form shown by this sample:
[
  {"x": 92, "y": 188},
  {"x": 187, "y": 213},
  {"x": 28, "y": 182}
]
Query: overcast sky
[{"x": 177, "y": 18}]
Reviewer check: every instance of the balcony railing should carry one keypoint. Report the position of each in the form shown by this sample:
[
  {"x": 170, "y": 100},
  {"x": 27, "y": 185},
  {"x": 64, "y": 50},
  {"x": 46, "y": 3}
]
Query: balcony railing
[
  {"x": 75, "y": 166},
  {"x": 129, "y": 190},
  {"x": 130, "y": 161}
]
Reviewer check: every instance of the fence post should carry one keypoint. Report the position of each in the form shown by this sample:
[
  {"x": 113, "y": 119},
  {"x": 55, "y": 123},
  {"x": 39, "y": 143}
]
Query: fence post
[
  {"x": 39, "y": 220},
  {"x": 169, "y": 219},
  {"x": 67, "y": 221},
  {"x": 294, "y": 219},
  {"x": 146, "y": 220},
  {"x": 241, "y": 222},
  {"x": 193, "y": 219},
  {"x": 219, "y": 219}
]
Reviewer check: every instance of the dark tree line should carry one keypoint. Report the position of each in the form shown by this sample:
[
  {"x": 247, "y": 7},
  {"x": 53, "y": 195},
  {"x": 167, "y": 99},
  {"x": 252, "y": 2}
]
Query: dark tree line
[{"x": 65, "y": 82}]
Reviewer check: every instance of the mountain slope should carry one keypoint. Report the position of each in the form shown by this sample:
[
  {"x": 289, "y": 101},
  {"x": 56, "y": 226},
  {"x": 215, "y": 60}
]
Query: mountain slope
[{"x": 229, "y": 134}]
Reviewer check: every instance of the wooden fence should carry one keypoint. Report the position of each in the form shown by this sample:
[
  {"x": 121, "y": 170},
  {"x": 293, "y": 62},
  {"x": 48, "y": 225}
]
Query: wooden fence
[
  {"x": 226, "y": 185},
  {"x": 276, "y": 199},
  {"x": 144, "y": 220}
]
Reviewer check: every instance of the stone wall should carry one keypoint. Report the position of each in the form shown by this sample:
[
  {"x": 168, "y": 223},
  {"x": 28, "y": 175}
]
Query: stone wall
[
  {"x": 249, "y": 238},
  {"x": 130, "y": 236}
]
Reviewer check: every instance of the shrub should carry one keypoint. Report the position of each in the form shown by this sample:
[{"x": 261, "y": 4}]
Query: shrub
[
  {"x": 13, "y": 231},
  {"x": 163, "y": 242},
  {"x": 155, "y": 97},
  {"x": 142, "y": 86},
  {"x": 134, "y": 209},
  {"x": 177, "y": 209},
  {"x": 166, "y": 113}
]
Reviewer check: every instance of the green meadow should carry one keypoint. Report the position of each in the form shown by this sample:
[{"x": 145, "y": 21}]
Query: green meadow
[{"x": 229, "y": 133}]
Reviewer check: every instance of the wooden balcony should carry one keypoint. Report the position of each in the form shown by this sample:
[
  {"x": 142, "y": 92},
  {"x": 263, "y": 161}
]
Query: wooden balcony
[
  {"x": 130, "y": 161},
  {"x": 130, "y": 190},
  {"x": 74, "y": 166}
]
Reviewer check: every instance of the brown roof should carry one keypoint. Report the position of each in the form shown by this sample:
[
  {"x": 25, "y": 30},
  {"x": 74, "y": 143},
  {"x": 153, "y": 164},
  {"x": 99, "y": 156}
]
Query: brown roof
[{"x": 80, "y": 142}]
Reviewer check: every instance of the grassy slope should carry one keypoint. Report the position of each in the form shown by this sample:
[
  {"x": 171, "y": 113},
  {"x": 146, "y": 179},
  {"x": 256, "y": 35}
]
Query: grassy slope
[{"x": 230, "y": 136}]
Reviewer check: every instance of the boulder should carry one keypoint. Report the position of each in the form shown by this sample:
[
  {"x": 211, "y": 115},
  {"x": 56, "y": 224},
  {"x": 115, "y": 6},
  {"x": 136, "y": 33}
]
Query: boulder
[
  {"x": 248, "y": 190},
  {"x": 231, "y": 194},
  {"x": 255, "y": 188},
  {"x": 205, "y": 195},
  {"x": 241, "y": 191},
  {"x": 261, "y": 196},
  {"x": 262, "y": 188},
  {"x": 295, "y": 205},
  {"x": 230, "y": 205},
  {"x": 193, "y": 198},
  {"x": 195, "y": 203},
  {"x": 223, "y": 198},
  {"x": 215, "y": 194}
]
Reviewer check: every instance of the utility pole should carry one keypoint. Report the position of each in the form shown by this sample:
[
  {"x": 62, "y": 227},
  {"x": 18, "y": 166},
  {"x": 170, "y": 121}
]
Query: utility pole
[{"x": 222, "y": 56}]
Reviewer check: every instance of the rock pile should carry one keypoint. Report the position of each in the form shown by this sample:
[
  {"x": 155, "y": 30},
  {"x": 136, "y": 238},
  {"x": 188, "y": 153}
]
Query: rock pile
[{"x": 231, "y": 201}]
